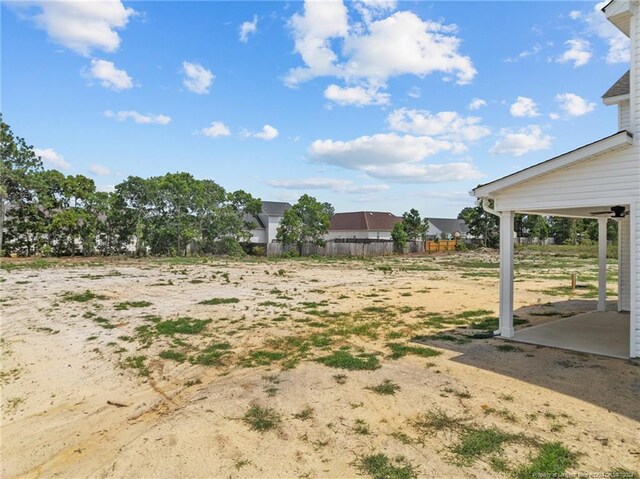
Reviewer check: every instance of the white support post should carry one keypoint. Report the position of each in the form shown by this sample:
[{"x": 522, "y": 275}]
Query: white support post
[
  {"x": 506, "y": 274},
  {"x": 602, "y": 264}
]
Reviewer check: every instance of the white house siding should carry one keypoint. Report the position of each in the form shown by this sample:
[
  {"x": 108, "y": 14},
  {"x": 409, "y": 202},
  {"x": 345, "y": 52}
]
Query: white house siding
[
  {"x": 624, "y": 263},
  {"x": 624, "y": 118},
  {"x": 635, "y": 278},
  {"x": 635, "y": 128},
  {"x": 272, "y": 227},
  {"x": 609, "y": 179}
]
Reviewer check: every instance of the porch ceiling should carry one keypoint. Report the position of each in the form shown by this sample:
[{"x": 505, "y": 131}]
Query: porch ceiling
[{"x": 582, "y": 212}]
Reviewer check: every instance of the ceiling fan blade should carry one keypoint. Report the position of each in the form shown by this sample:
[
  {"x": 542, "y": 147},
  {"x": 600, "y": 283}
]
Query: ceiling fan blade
[{"x": 601, "y": 212}]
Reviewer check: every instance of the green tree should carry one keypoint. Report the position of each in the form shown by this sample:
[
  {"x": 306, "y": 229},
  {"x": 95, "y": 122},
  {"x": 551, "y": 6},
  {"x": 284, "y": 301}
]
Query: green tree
[
  {"x": 415, "y": 227},
  {"x": 306, "y": 222},
  {"x": 18, "y": 168},
  {"x": 399, "y": 236},
  {"x": 481, "y": 225}
]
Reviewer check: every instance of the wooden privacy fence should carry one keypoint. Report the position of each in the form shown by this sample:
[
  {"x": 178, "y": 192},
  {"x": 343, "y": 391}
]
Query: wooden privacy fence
[{"x": 376, "y": 248}]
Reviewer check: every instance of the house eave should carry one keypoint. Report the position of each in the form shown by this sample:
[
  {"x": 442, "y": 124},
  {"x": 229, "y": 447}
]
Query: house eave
[
  {"x": 616, "y": 141},
  {"x": 619, "y": 12},
  {"x": 613, "y": 100}
]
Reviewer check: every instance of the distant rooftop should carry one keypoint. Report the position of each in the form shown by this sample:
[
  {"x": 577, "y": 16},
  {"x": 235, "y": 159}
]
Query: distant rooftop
[
  {"x": 275, "y": 208},
  {"x": 364, "y": 221},
  {"x": 621, "y": 87},
  {"x": 449, "y": 225}
]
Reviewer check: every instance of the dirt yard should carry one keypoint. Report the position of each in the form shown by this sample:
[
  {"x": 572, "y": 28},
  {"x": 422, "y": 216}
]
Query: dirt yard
[{"x": 304, "y": 368}]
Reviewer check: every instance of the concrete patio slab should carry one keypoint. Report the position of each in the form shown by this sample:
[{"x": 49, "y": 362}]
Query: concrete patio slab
[{"x": 599, "y": 332}]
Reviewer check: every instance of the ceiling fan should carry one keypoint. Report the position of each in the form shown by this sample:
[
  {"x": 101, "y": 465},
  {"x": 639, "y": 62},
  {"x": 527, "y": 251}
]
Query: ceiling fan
[{"x": 619, "y": 212}]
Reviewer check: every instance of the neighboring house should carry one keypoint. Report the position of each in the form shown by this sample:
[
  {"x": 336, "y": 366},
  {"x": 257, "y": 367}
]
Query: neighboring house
[
  {"x": 266, "y": 223},
  {"x": 453, "y": 228},
  {"x": 599, "y": 180},
  {"x": 373, "y": 225}
]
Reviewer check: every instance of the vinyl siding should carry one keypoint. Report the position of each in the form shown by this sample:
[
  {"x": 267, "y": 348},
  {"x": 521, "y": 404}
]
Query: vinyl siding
[
  {"x": 624, "y": 118},
  {"x": 624, "y": 266},
  {"x": 610, "y": 178},
  {"x": 635, "y": 126}
]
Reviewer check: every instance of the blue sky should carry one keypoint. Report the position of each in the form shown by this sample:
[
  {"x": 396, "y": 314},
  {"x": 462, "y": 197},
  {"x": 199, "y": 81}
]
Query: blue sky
[{"x": 370, "y": 105}]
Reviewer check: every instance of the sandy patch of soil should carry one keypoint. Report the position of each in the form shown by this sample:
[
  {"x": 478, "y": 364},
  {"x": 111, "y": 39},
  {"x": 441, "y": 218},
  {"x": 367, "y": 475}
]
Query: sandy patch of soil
[{"x": 111, "y": 386}]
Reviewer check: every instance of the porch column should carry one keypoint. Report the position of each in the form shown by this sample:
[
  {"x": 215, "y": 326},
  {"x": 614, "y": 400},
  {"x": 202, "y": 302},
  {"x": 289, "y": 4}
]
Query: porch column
[
  {"x": 602, "y": 264},
  {"x": 506, "y": 274}
]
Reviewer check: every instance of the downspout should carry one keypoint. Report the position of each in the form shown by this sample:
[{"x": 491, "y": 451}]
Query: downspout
[{"x": 488, "y": 209}]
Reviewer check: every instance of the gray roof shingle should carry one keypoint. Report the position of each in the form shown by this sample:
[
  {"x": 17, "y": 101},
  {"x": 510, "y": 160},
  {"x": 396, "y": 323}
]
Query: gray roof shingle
[
  {"x": 449, "y": 225},
  {"x": 274, "y": 208},
  {"x": 621, "y": 87}
]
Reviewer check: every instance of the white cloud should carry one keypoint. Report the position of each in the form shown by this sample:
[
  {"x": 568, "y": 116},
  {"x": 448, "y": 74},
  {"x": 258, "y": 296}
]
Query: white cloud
[
  {"x": 267, "y": 133},
  {"x": 99, "y": 170},
  {"x": 477, "y": 103},
  {"x": 554, "y": 116},
  {"x": 524, "y": 107},
  {"x": 335, "y": 185},
  {"x": 414, "y": 92},
  {"x": 79, "y": 25},
  {"x": 358, "y": 96},
  {"x": 393, "y": 157},
  {"x": 575, "y": 14},
  {"x": 216, "y": 129},
  {"x": 370, "y": 9},
  {"x": 426, "y": 47},
  {"x": 248, "y": 28},
  {"x": 445, "y": 124},
  {"x": 578, "y": 51},
  {"x": 52, "y": 158},
  {"x": 618, "y": 43},
  {"x": 197, "y": 78},
  {"x": 537, "y": 48},
  {"x": 574, "y": 105},
  {"x": 369, "y": 54},
  {"x": 148, "y": 119},
  {"x": 379, "y": 149},
  {"x": 109, "y": 75},
  {"x": 312, "y": 32},
  {"x": 521, "y": 141}
]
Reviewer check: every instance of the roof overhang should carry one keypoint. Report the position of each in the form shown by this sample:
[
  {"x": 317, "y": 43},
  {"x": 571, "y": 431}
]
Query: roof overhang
[
  {"x": 613, "y": 100},
  {"x": 619, "y": 140},
  {"x": 619, "y": 13}
]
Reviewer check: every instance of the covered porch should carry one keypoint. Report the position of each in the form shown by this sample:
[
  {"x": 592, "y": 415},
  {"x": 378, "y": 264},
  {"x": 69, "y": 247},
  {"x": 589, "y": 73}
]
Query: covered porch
[
  {"x": 605, "y": 331},
  {"x": 596, "y": 181}
]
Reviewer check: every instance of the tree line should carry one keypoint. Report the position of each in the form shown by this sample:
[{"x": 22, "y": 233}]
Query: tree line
[
  {"x": 565, "y": 231},
  {"x": 44, "y": 211}
]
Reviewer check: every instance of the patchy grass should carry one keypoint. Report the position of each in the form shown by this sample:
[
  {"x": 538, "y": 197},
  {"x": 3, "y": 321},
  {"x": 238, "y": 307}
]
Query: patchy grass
[
  {"x": 211, "y": 355},
  {"x": 345, "y": 360},
  {"x": 214, "y": 301},
  {"x": 399, "y": 350},
  {"x": 131, "y": 304},
  {"x": 380, "y": 466},
  {"x": 552, "y": 460},
  {"x": 173, "y": 355},
  {"x": 478, "y": 443},
  {"x": 437, "y": 420},
  {"x": 305, "y": 414},
  {"x": 362, "y": 427},
  {"x": 182, "y": 325},
  {"x": 453, "y": 338},
  {"x": 137, "y": 363},
  {"x": 262, "y": 358},
  {"x": 84, "y": 297},
  {"x": 385, "y": 388},
  {"x": 262, "y": 419}
]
